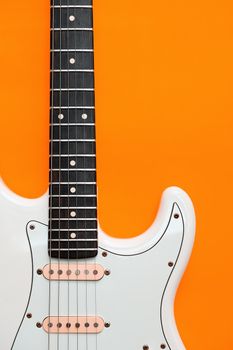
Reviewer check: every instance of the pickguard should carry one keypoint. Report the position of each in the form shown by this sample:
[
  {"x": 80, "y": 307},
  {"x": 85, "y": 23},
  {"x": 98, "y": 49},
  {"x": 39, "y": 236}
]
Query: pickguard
[{"x": 130, "y": 299}]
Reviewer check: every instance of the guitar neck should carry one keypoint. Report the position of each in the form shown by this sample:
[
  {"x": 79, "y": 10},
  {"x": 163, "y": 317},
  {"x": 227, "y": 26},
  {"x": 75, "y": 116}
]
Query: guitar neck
[{"x": 72, "y": 191}]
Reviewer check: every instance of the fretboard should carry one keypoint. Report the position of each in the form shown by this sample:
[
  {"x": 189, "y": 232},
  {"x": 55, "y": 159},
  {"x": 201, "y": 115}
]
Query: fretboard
[{"x": 72, "y": 190}]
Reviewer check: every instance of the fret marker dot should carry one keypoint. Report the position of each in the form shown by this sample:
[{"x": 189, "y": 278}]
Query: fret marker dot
[
  {"x": 72, "y": 163},
  {"x": 84, "y": 116},
  {"x": 72, "y": 214},
  {"x": 73, "y": 190},
  {"x": 72, "y": 60},
  {"x": 72, "y": 18},
  {"x": 60, "y": 116},
  {"x": 73, "y": 235}
]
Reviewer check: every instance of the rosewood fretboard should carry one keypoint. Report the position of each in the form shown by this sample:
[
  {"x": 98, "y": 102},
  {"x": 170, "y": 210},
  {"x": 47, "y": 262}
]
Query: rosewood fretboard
[{"x": 73, "y": 203}]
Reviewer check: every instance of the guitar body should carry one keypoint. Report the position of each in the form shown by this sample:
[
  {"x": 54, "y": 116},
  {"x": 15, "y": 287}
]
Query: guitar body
[{"x": 133, "y": 298}]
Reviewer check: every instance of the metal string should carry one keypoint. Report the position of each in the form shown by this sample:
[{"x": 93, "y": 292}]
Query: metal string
[
  {"x": 90, "y": 17},
  {"x": 76, "y": 178},
  {"x": 68, "y": 113},
  {"x": 95, "y": 186},
  {"x": 51, "y": 165},
  {"x": 85, "y": 204}
]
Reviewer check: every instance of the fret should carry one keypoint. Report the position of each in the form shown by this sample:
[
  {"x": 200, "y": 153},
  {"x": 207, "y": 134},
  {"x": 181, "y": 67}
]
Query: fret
[
  {"x": 72, "y": 176},
  {"x": 72, "y": 240},
  {"x": 73, "y": 70},
  {"x": 71, "y": 169},
  {"x": 70, "y": 250},
  {"x": 72, "y": 140},
  {"x": 72, "y": 107},
  {"x": 82, "y": 39},
  {"x": 60, "y": 232},
  {"x": 80, "y": 162},
  {"x": 76, "y": 230},
  {"x": 68, "y": 201},
  {"x": 73, "y": 98},
  {"x": 73, "y": 183},
  {"x": 72, "y": 80},
  {"x": 65, "y": 213},
  {"x": 72, "y": 147},
  {"x": 83, "y": 60},
  {"x": 73, "y": 196},
  {"x": 71, "y": 3},
  {"x": 71, "y": 6},
  {"x": 64, "y": 220},
  {"x": 72, "y": 115},
  {"x": 73, "y": 132},
  {"x": 73, "y": 208},
  {"x": 71, "y": 89},
  {"x": 80, "y": 189},
  {"x": 71, "y": 50},
  {"x": 70, "y": 29},
  {"x": 70, "y": 124},
  {"x": 77, "y": 155}
]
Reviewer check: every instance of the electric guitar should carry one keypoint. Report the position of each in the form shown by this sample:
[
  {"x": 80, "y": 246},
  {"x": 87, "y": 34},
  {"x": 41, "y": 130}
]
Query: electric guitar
[{"x": 65, "y": 284}]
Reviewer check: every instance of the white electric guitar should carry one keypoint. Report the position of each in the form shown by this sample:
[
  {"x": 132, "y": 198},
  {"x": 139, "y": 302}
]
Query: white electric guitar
[{"x": 65, "y": 284}]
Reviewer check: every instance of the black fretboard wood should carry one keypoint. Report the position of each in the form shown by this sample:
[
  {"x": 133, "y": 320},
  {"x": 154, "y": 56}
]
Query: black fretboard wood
[{"x": 72, "y": 175}]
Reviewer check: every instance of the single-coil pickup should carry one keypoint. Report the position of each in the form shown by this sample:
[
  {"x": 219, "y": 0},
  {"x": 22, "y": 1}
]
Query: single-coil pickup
[
  {"x": 73, "y": 272},
  {"x": 73, "y": 324}
]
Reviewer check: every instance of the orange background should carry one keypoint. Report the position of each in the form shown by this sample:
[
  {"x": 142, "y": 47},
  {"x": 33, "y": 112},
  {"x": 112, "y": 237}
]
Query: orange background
[{"x": 164, "y": 78}]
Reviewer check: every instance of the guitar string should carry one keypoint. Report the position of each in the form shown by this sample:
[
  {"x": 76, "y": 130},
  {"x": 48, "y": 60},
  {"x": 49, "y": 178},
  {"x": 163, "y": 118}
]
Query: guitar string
[
  {"x": 94, "y": 146},
  {"x": 68, "y": 167},
  {"x": 94, "y": 186},
  {"x": 76, "y": 178},
  {"x": 84, "y": 103},
  {"x": 51, "y": 164},
  {"x": 85, "y": 187},
  {"x": 93, "y": 151},
  {"x": 85, "y": 225},
  {"x": 90, "y": 44}
]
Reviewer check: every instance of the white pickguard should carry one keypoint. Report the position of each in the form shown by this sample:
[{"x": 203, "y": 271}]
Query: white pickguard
[{"x": 136, "y": 298}]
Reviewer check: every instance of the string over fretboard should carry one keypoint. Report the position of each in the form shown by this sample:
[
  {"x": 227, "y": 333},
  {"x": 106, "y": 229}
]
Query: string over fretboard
[{"x": 72, "y": 190}]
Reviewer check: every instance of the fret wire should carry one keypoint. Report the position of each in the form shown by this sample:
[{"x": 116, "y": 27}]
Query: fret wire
[
  {"x": 73, "y": 107},
  {"x": 71, "y": 6},
  {"x": 74, "y": 219},
  {"x": 75, "y": 169},
  {"x": 74, "y": 240},
  {"x": 78, "y": 208},
  {"x": 74, "y": 155},
  {"x": 72, "y": 89},
  {"x": 70, "y": 195},
  {"x": 72, "y": 230},
  {"x": 73, "y": 140},
  {"x": 74, "y": 183},
  {"x": 72, "y": 70},
  {"x": 73, "y": 249},
  {"x": 71, "y": 29},
  {"x": 71, "y": 124},
  {"x": 72, "y": 50}
]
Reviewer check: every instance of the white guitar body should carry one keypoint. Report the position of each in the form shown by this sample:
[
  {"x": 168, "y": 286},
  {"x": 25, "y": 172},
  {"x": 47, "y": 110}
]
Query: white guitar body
[{"x": 136, "y": 298}]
